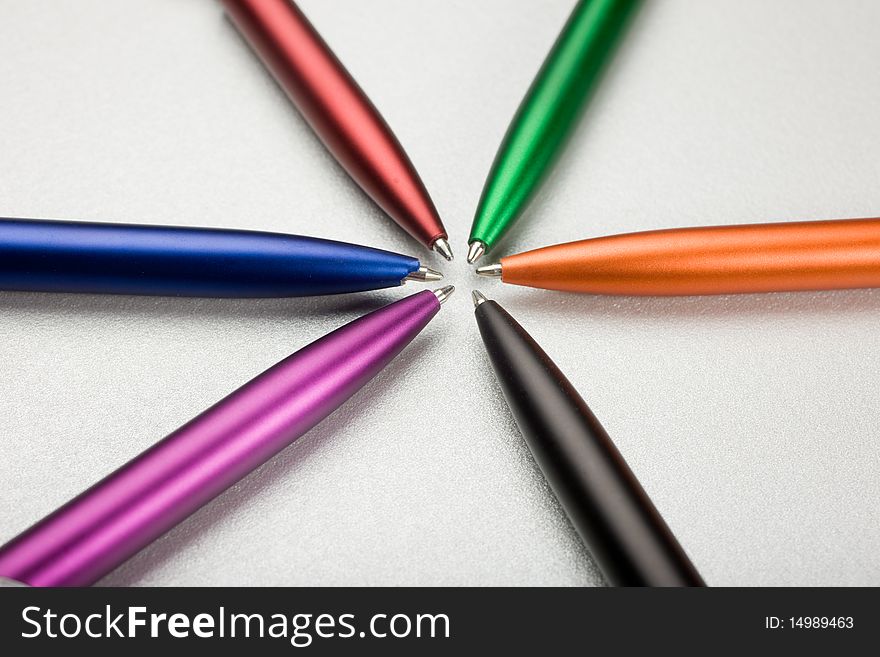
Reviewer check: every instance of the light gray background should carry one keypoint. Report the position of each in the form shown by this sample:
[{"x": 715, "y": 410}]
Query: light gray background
[{"x": 751, "y": 421}]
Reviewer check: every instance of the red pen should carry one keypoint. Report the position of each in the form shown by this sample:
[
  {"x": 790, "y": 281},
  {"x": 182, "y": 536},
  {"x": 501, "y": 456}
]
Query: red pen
[{"x": 340, "y": 113}]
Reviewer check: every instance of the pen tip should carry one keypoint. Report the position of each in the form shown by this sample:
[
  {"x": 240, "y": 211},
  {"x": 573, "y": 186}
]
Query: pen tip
[
  {"x": 478, "y": 297},
  {"x": 490, "y": 271},
  {"x": 443, "y": 293},
  {"x": 475, "y": 251},
  {"x": 441, "y": 246},
  {"x": 424, "y": 275}
]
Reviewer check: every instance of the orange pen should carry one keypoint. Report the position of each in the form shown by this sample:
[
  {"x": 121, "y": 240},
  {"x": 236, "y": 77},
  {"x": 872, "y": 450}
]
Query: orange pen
[{"x": 777, "y": 257}]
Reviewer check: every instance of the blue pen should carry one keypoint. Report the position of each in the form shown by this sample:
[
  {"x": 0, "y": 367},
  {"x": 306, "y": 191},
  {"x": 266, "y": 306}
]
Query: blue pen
[{"x": 104, "y": 258}]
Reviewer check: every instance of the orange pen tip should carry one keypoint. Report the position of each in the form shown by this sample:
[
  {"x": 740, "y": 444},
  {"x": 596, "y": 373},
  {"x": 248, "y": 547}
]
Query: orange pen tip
[{"x": 490, "y": 271}]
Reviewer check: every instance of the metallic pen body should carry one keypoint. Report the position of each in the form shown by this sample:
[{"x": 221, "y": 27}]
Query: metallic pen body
[
  {"x": 775, "y": 257},
  {"x": 547, "y": 116},
  {"x": 629, "y": 540},
  {"x": 339, "y": 112},
  {"x": 98, "y": 530},
  {"x": 105, "y": 258}
]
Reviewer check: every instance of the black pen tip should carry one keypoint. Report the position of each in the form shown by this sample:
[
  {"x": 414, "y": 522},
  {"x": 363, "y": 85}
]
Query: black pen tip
[{"x": 478, "y": 297}]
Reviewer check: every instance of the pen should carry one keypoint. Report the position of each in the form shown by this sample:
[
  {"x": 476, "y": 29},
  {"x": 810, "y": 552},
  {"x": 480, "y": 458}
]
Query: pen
[
  {"x": 627, "y": 537},
  {"x": 104, "y": 258},
  {"x": 95, "y": 532},
  {"x": 340, "y": 113},
  {"x": 775, "y": 257},
  {"x": 547, "y": 116}
]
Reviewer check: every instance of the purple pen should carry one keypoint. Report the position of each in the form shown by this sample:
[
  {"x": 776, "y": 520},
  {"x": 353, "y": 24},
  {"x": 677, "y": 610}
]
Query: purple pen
[{"x": 95, "y": 532}]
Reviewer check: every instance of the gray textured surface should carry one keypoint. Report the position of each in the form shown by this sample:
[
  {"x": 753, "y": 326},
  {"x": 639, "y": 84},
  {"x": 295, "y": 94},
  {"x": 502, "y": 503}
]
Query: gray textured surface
[{"x": 751, "y": 421}]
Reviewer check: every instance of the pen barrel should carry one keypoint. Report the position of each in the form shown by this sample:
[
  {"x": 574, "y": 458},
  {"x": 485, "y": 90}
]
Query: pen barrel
[
  {"x": 102, "y": 258},
  {"x": 619, "y": 524},
  {"x": 549, "y": 113},
  {"x": 776, "y": 257},
  {"x": 337, "y": 110},
  {"x": 102, "y": 527}
]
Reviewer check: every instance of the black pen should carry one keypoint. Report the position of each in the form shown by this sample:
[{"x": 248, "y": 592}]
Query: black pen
[{"x": 619, "y": 524}]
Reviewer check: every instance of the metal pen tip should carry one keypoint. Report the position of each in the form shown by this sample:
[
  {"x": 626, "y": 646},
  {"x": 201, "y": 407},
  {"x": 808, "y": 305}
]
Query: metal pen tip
[
  {"x": 475, "y": 251},
  {"x": 478, "y": 297},
  {"x": 423, "y": 275},
  {"x": 443, "y": 293},
  {"x": 441, "y": 246},
  {"x": 490, "y": 271}
]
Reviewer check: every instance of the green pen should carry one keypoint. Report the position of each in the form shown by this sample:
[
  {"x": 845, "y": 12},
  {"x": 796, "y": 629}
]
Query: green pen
[{"x": 547, "y": 116}]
